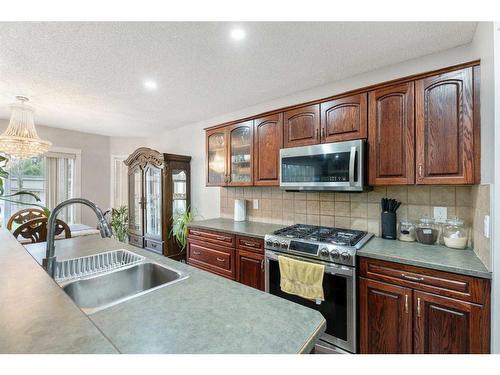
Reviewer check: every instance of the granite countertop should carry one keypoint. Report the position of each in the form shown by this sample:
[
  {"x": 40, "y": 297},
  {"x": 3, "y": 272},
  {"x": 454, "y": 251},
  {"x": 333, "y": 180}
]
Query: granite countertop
[
  {"x": 436, "y": 257},
  {"x": 185, "y": 317},
  {"x": 441, "y": 258},
  {"x": 248, "y": 228},
  {"x": 36, "y": 316}
]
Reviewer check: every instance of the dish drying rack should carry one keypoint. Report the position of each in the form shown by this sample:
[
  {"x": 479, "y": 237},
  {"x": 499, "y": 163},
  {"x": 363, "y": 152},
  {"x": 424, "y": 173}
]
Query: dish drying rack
[{"x": 75, "y": 268}]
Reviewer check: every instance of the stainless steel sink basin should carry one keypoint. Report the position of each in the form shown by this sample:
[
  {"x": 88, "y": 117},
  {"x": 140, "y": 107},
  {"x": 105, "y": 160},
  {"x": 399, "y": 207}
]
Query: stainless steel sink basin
[{"x": 105, "y": 290}]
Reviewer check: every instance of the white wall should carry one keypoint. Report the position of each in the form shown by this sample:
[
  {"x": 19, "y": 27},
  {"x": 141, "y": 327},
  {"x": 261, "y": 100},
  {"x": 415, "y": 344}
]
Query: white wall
[
  {"x": 495, "y": 314},
  {"x": 95, "y": 167},
  {"x": 191, "y": 139}
]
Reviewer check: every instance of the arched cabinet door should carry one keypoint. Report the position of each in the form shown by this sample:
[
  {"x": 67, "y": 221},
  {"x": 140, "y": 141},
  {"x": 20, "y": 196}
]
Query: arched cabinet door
[
  {"x": 240, "y": 154},
  {"x": 391, "y": 135},
  {"x": 268, "y": 139},
  {"x": 344, "y": 119},
  {"x": 444, "y": 128},
  {"x": 216, "y": 159},
  {"x": 301, "y": 126}
]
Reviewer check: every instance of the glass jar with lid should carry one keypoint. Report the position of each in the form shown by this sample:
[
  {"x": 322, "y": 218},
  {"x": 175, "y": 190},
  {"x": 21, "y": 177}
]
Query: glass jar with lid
[
  {"x": 427, "y": 231},
  {"x": 406, "y": 230},
  {"x": 455, "y": 234}
]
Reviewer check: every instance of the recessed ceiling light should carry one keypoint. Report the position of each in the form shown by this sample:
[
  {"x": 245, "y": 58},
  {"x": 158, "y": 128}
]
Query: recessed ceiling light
[
  {"x": 238, "y": 34},
  {"x": 149, "y": 84}
]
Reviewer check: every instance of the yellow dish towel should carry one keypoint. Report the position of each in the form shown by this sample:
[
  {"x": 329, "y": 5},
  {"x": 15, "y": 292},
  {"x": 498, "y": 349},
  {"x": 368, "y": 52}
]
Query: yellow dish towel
[{"x": 304, "y": 279}]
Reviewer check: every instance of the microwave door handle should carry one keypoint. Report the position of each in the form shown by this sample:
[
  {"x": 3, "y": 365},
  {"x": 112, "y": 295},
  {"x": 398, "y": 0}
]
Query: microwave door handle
[{"x": 352, "y": 160}]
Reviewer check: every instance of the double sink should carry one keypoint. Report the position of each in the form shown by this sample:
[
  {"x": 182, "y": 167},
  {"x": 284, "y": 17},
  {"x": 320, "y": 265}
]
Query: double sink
[{"x": 103, "y": 280}]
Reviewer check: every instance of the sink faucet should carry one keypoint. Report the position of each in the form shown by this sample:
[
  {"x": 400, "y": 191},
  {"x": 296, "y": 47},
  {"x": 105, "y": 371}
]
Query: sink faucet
[{"x": 49, "y": 262}]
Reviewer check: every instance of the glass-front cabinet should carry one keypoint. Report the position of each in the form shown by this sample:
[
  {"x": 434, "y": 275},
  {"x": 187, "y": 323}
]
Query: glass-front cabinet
[
  {"x": 159, "y": 192},
  {"x": 240, "y": 154},
  {"x": 229, "y": 155}
]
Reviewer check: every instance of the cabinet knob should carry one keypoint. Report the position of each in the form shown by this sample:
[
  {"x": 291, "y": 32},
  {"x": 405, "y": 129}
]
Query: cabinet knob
[
  {"x": 322, "y": 133},
  {"x": 420, "y": 170},
  {"x": 317, "y": 134}
]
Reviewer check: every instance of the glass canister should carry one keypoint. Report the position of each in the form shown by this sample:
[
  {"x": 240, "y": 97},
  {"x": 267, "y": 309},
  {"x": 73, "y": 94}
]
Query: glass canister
[
  {"x": 455, "y": 234},
  {"x": 406, "y": 231},
  {"x": 426, "y": 231}
]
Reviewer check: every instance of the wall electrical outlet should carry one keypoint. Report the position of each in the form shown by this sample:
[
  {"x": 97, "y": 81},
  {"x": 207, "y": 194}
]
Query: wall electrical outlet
[
  {"x": 440, "y": 214},
  {"x": 255, "y": 204},
  {"x": 486, "y": 226}
]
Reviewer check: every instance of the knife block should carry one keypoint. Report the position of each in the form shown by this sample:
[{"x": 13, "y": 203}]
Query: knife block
[{"x": 389, "y": 231}]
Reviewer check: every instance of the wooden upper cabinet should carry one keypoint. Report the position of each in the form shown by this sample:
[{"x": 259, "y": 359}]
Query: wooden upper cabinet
[
  {"x": 391, "y": 135},
  {"x": 447, "y": 326},
  {"x": 240, "y": 154},
  {"x": 344, "y": 119},
  {"x": 301, "y": 126},
  {"x": 385, "y": 317},
  {"x": 216, "y": 159},
  {"x": 268, "y": 139},
  {"x": 444, "y": 128}
]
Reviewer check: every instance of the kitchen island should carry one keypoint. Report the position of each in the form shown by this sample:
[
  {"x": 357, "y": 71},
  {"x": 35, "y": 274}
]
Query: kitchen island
[{"x": 201, "y": 314}]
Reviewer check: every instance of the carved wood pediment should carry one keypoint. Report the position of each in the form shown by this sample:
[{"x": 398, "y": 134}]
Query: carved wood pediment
[{"x": 143, "y": 156}]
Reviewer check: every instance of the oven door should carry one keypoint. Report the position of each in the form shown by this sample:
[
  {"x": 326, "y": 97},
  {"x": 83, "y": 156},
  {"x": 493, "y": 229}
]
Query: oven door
[
  {"x": 338, "y": 308},
  {"x": 332, "y": 166}
]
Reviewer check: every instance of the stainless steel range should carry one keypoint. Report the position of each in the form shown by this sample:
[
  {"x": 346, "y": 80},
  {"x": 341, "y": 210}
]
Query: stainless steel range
[{"x": 336, "y": 249}]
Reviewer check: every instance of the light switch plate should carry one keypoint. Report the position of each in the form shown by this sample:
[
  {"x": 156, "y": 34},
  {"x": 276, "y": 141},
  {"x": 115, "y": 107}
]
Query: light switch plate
[
  {"x": 440, "y": 214},
  {"x": 255, "y": 204},
  {"x": 486, "y": 226}
]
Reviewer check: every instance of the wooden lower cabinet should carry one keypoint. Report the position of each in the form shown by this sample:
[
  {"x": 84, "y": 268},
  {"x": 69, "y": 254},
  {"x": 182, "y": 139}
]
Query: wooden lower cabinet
[
  {"x": 239, "y": 258},
  {"x": 447, "y": 326},
  {"x": 408, "y": 309},
  {"x": 250, "y": 269},
  {"x": 385, "y": 318}
]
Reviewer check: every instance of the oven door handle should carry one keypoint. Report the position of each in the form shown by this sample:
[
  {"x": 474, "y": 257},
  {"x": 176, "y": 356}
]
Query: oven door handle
[
  {"x": 352, "y": 160},
  {"x": 331, "y": 269}
]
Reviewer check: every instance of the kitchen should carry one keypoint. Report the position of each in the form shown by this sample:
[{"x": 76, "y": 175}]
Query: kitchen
[{"x": 314, "y": 210}]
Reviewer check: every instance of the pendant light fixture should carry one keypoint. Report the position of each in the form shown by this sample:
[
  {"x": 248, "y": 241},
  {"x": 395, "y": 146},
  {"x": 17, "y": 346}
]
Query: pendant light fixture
[{"x": 21, "y": 140}]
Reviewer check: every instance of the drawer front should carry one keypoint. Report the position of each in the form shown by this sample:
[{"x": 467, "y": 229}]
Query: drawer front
[
  {"x": 219, "y": 261},
  {"x": 155, "y": 246},
  {"x": 212, "y": 237},
  {"x": 250, "y": 244},
  {"x": 136, "y": 240},
  {"x": 453, "y": 285}
]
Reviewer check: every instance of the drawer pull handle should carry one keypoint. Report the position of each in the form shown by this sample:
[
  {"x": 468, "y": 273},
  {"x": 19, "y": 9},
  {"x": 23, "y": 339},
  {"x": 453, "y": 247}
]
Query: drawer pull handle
[
  {"x": 412, "y": 278},
  {"x": 196, "y": 252},
  {"x": 406, "y": 303},
  {"x": 195, "y": 233},
  {"x": 418, "y": 307},
  {"x": 249, "y": 244},
  {"x": 220, "y": 260},
  {"x": 262, "y": 265},
  {"x": 220, "y": 238}
]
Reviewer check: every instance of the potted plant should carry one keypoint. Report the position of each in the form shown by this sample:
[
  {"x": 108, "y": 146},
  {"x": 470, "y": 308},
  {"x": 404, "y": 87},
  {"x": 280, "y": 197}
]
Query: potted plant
[
  {"x": 119, "y": 223},
  {"x": 180, "y": 229}
]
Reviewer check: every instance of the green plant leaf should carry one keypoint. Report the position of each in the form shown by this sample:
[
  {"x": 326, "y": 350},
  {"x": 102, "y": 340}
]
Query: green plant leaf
[{"x": 23, "y": 193}]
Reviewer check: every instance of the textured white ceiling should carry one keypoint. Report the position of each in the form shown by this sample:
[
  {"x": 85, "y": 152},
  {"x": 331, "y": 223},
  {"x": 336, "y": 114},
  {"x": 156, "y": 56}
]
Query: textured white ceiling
[{"x": 88, "y": 76}]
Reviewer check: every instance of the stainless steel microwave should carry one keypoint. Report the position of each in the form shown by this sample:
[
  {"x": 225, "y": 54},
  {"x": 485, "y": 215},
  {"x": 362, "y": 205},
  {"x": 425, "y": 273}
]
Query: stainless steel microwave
[{"x": 336, "y": 166}]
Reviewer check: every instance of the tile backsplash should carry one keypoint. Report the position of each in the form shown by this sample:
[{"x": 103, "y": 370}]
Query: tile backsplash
[
  {"x": 480, "y": 202},
  {"x": 362, "y": 210}
]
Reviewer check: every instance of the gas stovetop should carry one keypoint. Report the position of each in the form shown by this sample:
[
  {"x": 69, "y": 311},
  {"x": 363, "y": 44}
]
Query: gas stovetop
[{"x": 328, "y": 244}]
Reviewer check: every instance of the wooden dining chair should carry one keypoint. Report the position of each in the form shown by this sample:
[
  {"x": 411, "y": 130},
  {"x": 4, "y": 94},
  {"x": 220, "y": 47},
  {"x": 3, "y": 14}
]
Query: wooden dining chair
[
  {"x": 35, "y": 230},
  {"x": 24, "y": 215}
]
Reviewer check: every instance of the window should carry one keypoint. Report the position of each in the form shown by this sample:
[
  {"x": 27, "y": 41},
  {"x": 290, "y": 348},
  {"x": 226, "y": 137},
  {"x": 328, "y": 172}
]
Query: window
[
  {"x": 119, "y": 183},
  {"x": 54, "y": 177}
]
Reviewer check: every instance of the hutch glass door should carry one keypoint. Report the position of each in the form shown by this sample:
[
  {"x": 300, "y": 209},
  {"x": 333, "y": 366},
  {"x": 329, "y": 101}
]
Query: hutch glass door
[
  {"x": 153, "y": 197},
  {"x": 179, "y": 195},
  {"x": 135, "y": 200}
]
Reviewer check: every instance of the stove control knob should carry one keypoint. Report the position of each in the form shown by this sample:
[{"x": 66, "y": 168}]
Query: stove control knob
[
  {"x": 269, "y": 243},
  {"x": 276, "y": 243},
  {"x": 284, "y": 244},
  {"x": 334, "y": 253},
  {"x": 323, "y": 252},
  {"x": 346, "y": 256}
]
